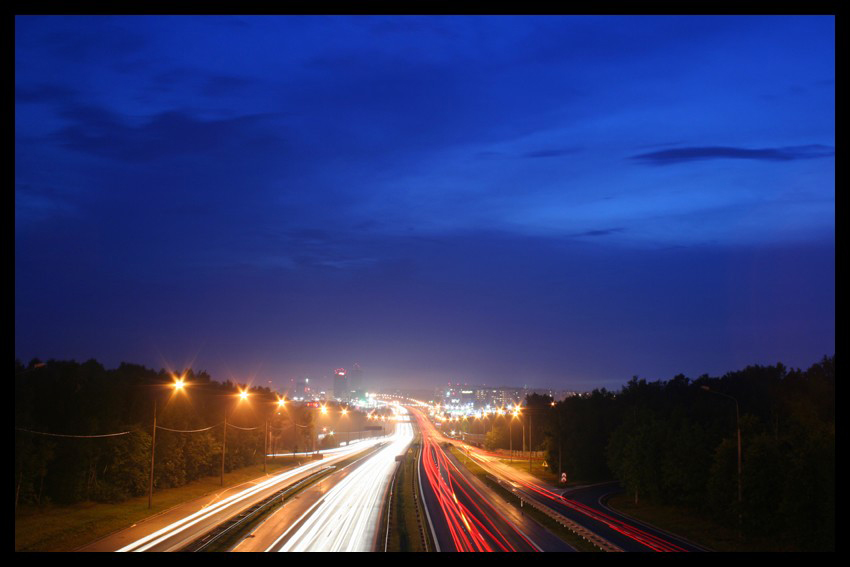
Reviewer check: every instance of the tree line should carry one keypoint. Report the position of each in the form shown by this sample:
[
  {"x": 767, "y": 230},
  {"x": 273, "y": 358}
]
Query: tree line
[
  {"x": 83, "y": 432},
  {"x": 676, "y": 442}
]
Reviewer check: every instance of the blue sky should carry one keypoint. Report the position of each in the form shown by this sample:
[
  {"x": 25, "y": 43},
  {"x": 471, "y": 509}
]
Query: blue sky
[{"x": 560, "y": 201}]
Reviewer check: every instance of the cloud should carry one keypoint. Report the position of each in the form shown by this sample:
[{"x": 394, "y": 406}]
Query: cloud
[
  {"x": 550, "y": 153},
  {"x": 43, "y": 93},
  {"x": 601, "y": 232},
  {"x": 680, "y": 155},
  {"x": 98, "y": 131},
  {"x": 221, "y": 85}
]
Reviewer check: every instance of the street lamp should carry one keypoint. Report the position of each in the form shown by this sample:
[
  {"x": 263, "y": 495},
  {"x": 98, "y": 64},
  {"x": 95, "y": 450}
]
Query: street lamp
[
  {"x": 738, "y": 427},
  {"x": 178, "y": 385},
  {"x": 529, "y": 440},
  {"x": 560, "y": 440},
  {"x": 243, "y": 395},
  {"x": 344, "y": 413},
  {"x": 515, "y": 415}
]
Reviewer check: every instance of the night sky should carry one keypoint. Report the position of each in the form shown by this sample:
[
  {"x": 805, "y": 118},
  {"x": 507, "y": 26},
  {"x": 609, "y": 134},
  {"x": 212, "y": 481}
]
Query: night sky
[{"x": 551, "y": 201}]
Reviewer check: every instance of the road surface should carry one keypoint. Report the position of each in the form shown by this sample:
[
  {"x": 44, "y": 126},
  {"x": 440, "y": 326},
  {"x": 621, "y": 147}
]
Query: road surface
[
  {"x": 463, "y": 513},
  {"x": 347, "y": 517}
]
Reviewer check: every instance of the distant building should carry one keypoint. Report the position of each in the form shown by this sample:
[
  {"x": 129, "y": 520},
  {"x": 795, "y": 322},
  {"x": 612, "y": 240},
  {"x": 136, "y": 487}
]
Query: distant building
[
  {"x": 299, "y": 389},
  {"x": 356, "y": 378},
  {"x": 342, "y": 389}
]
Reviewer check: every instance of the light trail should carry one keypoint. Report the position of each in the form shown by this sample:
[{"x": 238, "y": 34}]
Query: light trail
[
  {"x": 347, "y": 517},
  {"x": 630, "y": 531},
  {"x": 233, "y": 504},
  {"x": 471, "y": 526}
]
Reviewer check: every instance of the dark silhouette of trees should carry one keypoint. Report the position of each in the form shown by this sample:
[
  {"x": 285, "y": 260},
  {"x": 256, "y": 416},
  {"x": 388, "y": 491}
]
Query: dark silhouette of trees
[
  {"x": 674, "y": 443},
  {"x": 69, "y": 398},
  {"x": 669, "y": 442}
]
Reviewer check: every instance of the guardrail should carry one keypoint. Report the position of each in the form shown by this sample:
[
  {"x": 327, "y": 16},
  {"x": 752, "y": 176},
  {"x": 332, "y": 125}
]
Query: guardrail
[
  {"x": 389, "y": 499},
  {"x": 232, "y": 525},
  {"x": 419, "y": 523},
  {"x": 574, "y": 527}
]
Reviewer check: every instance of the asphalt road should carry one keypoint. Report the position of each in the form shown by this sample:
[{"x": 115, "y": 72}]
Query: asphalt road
[
  {"x": 585, "y": 507},
  {"x": 464, "y": 514},
  {"x": 347, "y": 517},
  {"x": 179, "y": 526}
]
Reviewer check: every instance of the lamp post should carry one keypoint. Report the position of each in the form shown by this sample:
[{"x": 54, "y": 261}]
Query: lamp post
[
  {"x": 178, "y": 386},
  {"x": 511, "y": 438},
  {"x": 560, "y": 442},
  {"x": 243, "y": 395},
  {"x": 324, "y": 411},
  {"x": 529, "y": 441},
  {"x": 344, "y": 413},
  {"x": 516, "y": 414},
  {"x": 738, "y": 428}
]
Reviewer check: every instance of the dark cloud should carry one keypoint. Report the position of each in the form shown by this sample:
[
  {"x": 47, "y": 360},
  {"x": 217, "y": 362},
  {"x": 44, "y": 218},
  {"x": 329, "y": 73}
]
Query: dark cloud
[
  {"x": 551, "y": 153},
  {"x": 679, "y": 155},
  {"x": 103, "y": 133},
  {"x": 224, "y": 85},
  {"x": 43, "y": 93},
  {"x": 602, "y": 232}
]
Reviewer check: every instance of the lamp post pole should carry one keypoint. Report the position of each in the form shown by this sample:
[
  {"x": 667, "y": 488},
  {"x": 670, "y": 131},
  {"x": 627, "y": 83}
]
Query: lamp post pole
[
  {"x": 153, "y": 449},
  {"x": 243, "y": 395},
  {"x": 511, "y": 438},
  {"x": 529, "y": 441},
  {"x": 223, "y": 445},
  {"x": 560, "y": 445},
  {"x": 178, "y": 386},
  {"x": 738, "y": 428}
]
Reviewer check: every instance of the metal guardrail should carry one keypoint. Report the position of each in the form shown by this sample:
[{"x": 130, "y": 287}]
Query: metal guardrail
[
  {"x": 419, "y": 523},
  {"x": 233, "y": 524},
  {"x": 390, "y": 505},
  {"x": 574, "y": 527},
  {"x": 417, "y": 480}
]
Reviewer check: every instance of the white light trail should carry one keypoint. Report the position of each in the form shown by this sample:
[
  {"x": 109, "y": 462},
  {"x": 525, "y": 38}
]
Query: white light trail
[
  {"x": 236, "y": 501},
  {"x": 347, "y": 517}
]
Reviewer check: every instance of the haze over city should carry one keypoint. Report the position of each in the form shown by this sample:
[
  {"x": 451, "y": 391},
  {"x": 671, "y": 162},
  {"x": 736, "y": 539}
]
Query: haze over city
[{"x": 560, "y": 202}]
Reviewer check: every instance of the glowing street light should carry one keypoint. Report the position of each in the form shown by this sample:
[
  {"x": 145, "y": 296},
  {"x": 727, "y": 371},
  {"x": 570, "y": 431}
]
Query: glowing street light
[
  {"x": 515, "y": 413},
  {"x": 178, "y": 385},
  {"x": 243, "y": 395}
]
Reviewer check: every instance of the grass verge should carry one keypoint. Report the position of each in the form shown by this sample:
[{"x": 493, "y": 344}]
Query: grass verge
[
  {"x": 405, "y": 514},
  {"x": 67, "y": 528},
  {"x": 692, "y": 526},
  {"x": 545, "y": 474}
]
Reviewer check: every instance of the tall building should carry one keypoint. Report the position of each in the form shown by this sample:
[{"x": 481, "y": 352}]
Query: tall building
[
  {"x": 356, "y": 378},
  {"x": 342, "y": 389}
]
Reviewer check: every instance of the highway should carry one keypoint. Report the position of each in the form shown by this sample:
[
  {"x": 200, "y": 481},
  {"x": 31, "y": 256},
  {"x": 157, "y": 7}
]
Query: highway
[
  {"x": 583, "y": 507},
  {"x": 181, "y": 531},
  {"x": 462, "y": 513},
  {"x": 347, "y": 517}
]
